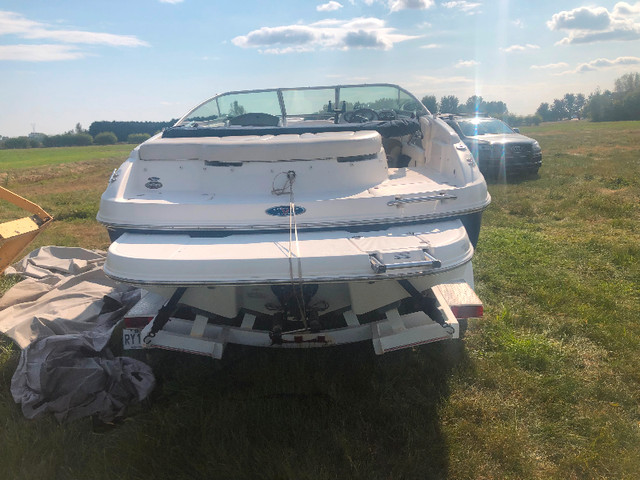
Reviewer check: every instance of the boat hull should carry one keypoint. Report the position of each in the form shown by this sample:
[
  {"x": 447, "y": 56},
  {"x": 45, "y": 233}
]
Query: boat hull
[
  {"x": 346, "y": 270},
  {"x": 347, "y": 212}
]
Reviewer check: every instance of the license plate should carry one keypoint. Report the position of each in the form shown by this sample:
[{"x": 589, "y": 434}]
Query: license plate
[{"x": 131, "y": 339}]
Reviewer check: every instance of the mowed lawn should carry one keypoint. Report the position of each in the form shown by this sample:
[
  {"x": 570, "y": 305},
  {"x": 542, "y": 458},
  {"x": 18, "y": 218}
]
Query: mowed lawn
[{"x": 545, "y": 386}]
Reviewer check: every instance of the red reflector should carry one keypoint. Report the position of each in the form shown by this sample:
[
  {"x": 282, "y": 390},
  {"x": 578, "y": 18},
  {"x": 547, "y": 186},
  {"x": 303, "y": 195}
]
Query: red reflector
[
  {"x": 136, "y": 322},
  {"x": 467, "y": 311}
]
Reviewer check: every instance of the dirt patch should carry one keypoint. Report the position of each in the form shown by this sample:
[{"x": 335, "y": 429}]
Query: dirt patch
[{"x": 601, "y": 150}]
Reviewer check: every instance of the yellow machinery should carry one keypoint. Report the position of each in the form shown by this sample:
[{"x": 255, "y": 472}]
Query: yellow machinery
[{"x": 15, "y": 235}]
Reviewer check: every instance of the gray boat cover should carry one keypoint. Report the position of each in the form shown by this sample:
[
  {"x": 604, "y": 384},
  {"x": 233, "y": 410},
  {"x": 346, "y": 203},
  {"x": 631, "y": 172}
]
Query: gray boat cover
[{"x": 62, "y": 316}]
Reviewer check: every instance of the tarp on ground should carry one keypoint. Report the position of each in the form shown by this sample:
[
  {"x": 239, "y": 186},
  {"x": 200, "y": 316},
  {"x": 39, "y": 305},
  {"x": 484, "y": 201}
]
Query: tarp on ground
[{"x": 62, "y": 316}]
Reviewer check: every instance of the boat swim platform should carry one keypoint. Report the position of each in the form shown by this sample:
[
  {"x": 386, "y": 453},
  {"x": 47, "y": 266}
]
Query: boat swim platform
[{"x": 454, "y": 302}]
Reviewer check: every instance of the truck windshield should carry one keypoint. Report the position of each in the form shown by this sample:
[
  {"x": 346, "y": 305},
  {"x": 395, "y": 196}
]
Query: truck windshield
[{"x": 483, "y": 126}]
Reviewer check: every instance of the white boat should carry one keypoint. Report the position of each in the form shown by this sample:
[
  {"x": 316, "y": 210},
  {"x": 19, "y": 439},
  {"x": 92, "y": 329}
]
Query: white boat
[{"x": 299, "y": 217}]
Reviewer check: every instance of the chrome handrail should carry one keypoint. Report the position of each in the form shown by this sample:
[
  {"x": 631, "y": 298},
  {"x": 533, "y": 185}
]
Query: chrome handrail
[{"x": 378, "y": 266}]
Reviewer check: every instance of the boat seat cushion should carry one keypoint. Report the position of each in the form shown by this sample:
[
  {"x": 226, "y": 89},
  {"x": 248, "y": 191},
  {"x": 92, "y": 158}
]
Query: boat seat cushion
[{"x": 264, "y": 148}]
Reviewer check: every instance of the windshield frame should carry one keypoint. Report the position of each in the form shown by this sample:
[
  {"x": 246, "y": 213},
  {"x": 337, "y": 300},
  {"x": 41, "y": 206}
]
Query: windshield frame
[{"x": 184, "y": 120}]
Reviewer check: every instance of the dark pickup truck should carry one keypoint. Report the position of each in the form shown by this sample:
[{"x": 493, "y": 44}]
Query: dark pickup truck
[{"x": 498, "y": 149}]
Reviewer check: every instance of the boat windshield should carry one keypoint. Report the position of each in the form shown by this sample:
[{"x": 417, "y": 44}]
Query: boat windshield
[
  {"x": 483, "y": 126},
  {"x": 259, "y": 107}
]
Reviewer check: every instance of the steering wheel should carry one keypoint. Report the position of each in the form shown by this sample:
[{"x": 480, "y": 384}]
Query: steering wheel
[
  {"x": 387, "y": 115},
  {"x": 410, "y": 106},
  {"x": 361, "y": 115}
]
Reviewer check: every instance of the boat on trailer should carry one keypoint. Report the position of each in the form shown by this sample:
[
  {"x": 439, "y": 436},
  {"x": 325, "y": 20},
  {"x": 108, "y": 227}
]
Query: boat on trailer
[{"x": 298, "y": 217}]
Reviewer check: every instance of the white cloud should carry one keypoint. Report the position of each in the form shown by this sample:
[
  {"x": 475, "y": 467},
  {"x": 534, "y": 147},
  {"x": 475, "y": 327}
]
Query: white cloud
[
  {"x": 171, "y": 1},
  {"x": 431, "y": 46},
  {"x": 15, "y": 24},
  {"x": 466, "y": 63},
  {"x": 330, "y": 34},
  {"x": 583, "y": 18},
  {"x": 597, "y": 24},
  {"x": 549, "y": 66},
  {"x": 329, "y": 7},
  {"x": 623, "y": 33},
  {"x": 91, "y": 38},
  {"x": 520, "y": 48},
  {"x": 602, "y": 64},
  {"x": 397, "y": 5},
  {"x": 624, "y": 9},
  {"x": 39, "y": 53},
  {"x": 464, "y": 6}
]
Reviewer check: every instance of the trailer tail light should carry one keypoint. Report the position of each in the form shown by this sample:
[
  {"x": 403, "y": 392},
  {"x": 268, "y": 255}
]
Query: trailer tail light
[
  {"x": 461, "y": 299},
  {"x": 467, "y": 311}
]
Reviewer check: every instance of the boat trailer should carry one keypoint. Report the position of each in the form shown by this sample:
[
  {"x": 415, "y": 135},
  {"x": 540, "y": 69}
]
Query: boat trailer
[
  {"x": 152, "y": 323},
  {"x": 15, "y": 235}
]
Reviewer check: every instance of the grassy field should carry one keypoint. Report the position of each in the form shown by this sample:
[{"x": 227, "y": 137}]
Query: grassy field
[
  {"x": 15, "y": 160},
  {"x": 546, "y": 386},
  {"x": 67, "y": 183}
]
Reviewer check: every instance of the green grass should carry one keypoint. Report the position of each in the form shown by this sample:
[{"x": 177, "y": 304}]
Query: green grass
[
  {"x": 36, "y": 157},
  {"x": 67, "y": 183},
  {"x": 545, "y": 386}
]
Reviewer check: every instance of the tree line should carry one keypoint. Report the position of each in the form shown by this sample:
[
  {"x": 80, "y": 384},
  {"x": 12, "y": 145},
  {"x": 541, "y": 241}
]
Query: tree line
[
  {"x": 476, "y": 104},
  {"x": 99, "y": 133},
  {"x": 623, "y": 103},
  {"x": 122, "y": 130}
]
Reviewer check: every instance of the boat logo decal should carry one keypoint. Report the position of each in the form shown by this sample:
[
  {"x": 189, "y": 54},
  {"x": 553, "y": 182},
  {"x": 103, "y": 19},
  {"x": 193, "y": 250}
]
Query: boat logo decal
[
  {"x": 285, "y": 210},
  {"x": 153, "y": 183}
]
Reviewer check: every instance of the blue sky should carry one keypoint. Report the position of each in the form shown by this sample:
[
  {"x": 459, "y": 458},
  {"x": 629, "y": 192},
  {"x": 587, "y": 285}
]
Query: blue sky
[{"x": 76, "y": 61}]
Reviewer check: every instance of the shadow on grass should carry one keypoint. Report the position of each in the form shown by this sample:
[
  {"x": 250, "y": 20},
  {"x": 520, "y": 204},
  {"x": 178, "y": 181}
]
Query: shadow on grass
[{"x": 339, "y": 412}]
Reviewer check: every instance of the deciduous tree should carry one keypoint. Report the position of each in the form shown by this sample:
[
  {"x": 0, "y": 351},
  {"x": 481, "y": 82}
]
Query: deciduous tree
[
  {"x": 431, "y": 103},
  {"x": 449, "y": 104}
]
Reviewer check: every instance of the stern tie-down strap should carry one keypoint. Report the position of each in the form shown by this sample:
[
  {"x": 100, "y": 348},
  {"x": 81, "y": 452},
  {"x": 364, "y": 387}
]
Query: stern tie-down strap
[{"x": 164, "y": 314}]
